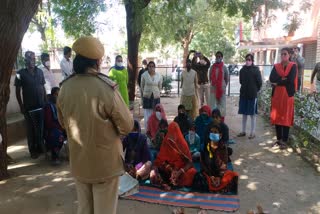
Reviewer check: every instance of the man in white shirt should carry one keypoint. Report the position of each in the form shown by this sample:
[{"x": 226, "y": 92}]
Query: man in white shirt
[
  {"x": 47, "y": 73},
  {"x": 66, "y": 63}
]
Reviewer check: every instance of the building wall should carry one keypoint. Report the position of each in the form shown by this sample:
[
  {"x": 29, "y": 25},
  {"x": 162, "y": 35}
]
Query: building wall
[
  {"x": 310, "y": 51},
  {"x": 318, "y": 42}
]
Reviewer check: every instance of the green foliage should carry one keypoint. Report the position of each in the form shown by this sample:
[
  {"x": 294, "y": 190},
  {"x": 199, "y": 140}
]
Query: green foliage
[
  {"x": 77, "y": 17},
  {"x": 180, "y": 23},
  {"x": 166, "y": 83},
  {"x": 294, "y": 22}
]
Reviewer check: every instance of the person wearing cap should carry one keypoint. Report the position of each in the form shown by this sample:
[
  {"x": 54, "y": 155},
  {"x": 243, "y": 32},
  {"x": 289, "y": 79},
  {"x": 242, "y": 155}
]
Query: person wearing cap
[
  {"x": 119, "y": 74},
  {"x": 92, "y": 111},
  {"x": 31, "y": 81}
]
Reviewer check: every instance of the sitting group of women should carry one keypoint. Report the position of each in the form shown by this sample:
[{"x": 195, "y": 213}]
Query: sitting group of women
[{"x": 184, "y": 153}]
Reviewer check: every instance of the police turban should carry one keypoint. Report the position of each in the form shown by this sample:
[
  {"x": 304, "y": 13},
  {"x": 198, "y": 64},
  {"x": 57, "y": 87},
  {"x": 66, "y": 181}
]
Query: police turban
[{"x": 89, "y": 47}]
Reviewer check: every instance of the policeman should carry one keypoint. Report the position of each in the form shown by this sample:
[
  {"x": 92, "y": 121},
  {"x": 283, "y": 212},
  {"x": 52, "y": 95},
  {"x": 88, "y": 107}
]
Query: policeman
[{"x": 94, "y": 115}]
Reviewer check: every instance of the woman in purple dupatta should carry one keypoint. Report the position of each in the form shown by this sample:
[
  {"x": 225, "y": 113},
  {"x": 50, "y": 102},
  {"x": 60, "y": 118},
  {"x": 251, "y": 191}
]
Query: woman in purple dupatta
[{"x": 137, "y": 155}]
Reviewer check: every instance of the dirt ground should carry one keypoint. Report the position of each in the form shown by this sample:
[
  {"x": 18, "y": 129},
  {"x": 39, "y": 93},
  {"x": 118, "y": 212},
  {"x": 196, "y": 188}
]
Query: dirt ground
[{"x": 278, "y": 180}]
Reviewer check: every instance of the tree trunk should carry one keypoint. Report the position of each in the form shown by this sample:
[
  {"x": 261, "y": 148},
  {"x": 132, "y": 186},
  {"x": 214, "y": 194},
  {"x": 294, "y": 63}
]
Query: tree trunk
[
  {"x": 185, "y": 42},
  {"x": 133, "y": 37},
  {"x": 134, "y": 20},
  {"x": 15, "y": 16}
]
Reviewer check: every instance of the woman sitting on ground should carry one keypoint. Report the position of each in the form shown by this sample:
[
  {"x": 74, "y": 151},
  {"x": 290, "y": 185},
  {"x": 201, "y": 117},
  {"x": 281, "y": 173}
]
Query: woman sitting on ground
[
  {"x": 173, "y": 166},
  {"x": 54, "y": 134},
  {"x": 202, "y": 122},
  {"x": 137, "y": 155},
  {"x": 153, "y": 122},
  {"x": 214, "y": 161},
  {"x": 193, "y": 141},
  {"x": 157, "y": 141},
  {"x": 217, "y": 119},
  {"x": 183, "y": 120}
]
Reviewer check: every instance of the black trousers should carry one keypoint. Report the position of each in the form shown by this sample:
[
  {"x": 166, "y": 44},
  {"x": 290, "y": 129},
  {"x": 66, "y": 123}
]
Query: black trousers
[
  {"x": 282, "y": 132},
  {"x": 34, "y": 124}
]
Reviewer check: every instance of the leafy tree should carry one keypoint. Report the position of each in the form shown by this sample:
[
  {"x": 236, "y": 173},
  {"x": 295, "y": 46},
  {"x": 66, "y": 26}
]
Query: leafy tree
[
  {"x": 14, "y": 21},
  {"x": 45, "y": 24},
  {"x": 77, "y": 17},
  {"x": 191, "y": 24},
  {"x": 135, "y": 19}
]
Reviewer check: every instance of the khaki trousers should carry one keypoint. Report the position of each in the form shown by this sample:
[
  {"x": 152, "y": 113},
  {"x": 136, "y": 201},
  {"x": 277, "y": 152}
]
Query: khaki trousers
[
  {"x": 203, "y": 93},
  {"x": 99, "y": 198}
]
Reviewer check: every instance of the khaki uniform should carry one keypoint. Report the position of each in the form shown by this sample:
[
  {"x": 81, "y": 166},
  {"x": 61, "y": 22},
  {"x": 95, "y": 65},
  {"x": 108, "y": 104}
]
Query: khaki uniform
[{"x": 94, "y": 115}]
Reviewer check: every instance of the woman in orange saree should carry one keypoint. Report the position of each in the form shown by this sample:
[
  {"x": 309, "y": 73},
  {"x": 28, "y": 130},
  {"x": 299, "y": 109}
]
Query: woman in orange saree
[
  {"x": 173, "y": 166},
  {"x": 283, "y": 79}
]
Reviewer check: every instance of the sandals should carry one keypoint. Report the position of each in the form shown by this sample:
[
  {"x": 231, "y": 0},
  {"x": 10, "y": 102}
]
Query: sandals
[
  {"x": 241, "y": 134},
  {"x": 251, "y": 136},
  {"x": 282, "y": 145}
]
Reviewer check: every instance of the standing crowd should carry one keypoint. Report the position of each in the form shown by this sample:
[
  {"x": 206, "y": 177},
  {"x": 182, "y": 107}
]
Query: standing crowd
[{"x": 90, "y": 112}]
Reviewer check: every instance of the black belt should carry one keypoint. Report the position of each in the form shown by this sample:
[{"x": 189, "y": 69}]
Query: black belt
[{"x": 202, "y": 83}]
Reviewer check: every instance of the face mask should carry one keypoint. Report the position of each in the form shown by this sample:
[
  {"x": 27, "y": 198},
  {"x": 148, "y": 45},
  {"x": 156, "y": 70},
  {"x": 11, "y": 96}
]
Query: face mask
[
  {"x": 54, "y": 99},
  {"x": 203, "y": 62},
  {"x": 165, "y": 131},
  {"x": 192, "y": 136},
  {"x": 181, "y": 114},
  {"x": 215, "y": 137},
  {"x": 158, "y": 115},
  {"x": 133, "y": 134},
  {"x": 119, "y": 64},
  {"x": 248, "y": 63},
  {"x": 218, "y": 60},
  {"x": 47, "y": 63}
]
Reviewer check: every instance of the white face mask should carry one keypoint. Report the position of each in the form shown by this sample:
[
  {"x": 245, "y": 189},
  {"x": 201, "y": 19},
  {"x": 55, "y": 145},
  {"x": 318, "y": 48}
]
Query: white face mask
[
  {"x": 47, "y": 63},
  {"x": 158, "y": 115},
  {"x": 192, "y": 136},
  {"x": 248, "y": 63},
  {"x": 120, "y": 64}
]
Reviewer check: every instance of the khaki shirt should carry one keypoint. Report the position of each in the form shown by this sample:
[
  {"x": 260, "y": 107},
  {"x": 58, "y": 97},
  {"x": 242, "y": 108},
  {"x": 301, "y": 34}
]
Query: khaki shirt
[{"x": 94, "y": 116}]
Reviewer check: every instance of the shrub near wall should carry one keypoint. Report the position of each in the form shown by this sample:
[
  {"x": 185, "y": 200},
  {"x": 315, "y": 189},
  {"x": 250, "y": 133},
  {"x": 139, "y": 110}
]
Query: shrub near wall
[{"x": 305, "y": 135}]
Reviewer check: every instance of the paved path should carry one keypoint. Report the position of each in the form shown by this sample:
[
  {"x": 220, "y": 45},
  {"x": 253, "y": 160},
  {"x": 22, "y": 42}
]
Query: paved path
[{"x": 278, "y": 180}]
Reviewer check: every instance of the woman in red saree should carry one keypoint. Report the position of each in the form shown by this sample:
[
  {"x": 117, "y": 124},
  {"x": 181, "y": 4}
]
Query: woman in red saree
[
  {"x": 283, "y": 79},
  {"x": 153, "y": 122},
  {"x": 173, "y": 166}
]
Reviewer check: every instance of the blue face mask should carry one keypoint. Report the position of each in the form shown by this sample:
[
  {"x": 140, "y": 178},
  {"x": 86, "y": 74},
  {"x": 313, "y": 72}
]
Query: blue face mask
[
  {"x": 133, "y": 134},
  {"x": 215, "y": 137}
]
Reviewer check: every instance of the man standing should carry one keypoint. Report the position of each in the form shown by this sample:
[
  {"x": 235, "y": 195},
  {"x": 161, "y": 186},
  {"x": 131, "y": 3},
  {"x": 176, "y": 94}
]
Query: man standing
[
  {"x": 201, "y": 65},
  {"x": 47, "y": 73},
  {"x": 142, "y": 70},
  {"x": 219, "y": 78},
  {"x": 31, "y": 81},
  {"x": 92, "y": 111},
  {"x": 189, "y": 85},
  {"x": 66, "y": 63},
  {"x": 299, "y": 60}
]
